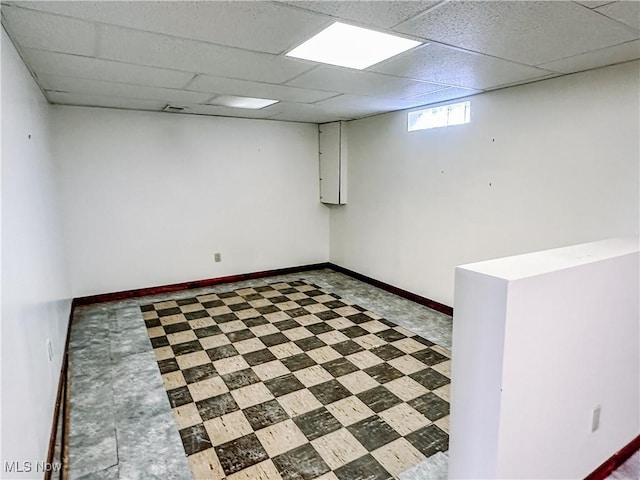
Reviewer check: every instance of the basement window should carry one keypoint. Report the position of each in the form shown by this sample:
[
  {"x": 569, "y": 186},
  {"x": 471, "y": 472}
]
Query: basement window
[{"x": 444, "y": 116}]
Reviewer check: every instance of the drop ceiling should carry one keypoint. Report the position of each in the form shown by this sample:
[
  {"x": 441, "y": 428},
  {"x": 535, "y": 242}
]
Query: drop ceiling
[{"x": 145, "y": 55}]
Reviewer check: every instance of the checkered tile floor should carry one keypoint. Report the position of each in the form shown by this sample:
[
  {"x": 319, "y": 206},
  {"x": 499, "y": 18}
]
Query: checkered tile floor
[{"x": 286, "y": 381}]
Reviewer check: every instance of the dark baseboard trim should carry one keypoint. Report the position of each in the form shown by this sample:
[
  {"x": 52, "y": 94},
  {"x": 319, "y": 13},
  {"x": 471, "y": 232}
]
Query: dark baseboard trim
[
  {"x": 209, "y": 282},
  {"x": 607, "y": 468},
  {"x": 395, "y": 290},
  {"x": 61, "y": 403}
]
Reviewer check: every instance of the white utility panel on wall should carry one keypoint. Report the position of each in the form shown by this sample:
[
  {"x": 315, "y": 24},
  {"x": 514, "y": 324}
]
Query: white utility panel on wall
[{"x": 333, "y": 163}]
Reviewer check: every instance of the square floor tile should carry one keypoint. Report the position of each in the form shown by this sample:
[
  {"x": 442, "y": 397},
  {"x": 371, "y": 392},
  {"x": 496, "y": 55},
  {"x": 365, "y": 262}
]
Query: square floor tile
[
  {"x": 429, "y": 440},
  {"x": 224, "y": 351},
  {"x": 313, "y": 375},
  {"x": 285, "y": 350},
  {"x": 331, "y": 338},
  {"x": 404, "y": 419},
  {"x": 354, "y": 331},
  {"x": 429, "y": 357},
  {"x": 338, "y": 448},
  {"x": 299, "y": 402},
  {"x": 324, "y": 354},
  {"x": 259, "y": 356},
  {"x": 216, "y": 406},
  {"x": 317, "y": 423},
  {"x": 431, "y": 406},
  {"x": 265, "y": 414},
  {"x": 267, "y": 371},
  {"x": 250, "y": 345},
  {"x": 319, "y": 328},
  {"x": 369, "y": 341},
  {"x": 329, "y": 392},
  {"x": 309, "y": 344},
  {"x": 388, "y": 352},
  {"x": 205, "y": 464},
  {"x": 302, "y": 463},
  {"x": 179, "y": 396},
  {"x": 339, "y": 367},
  {"x": 214, "y": 341},
  {"x": 180, "y": 337},
  {"x": 186, "y": 347},
  {"x": 379, "y": 398},
  {"x": 281, "y": 437},
  {"x": 406, "y": 388},
  {"x": 240, "y": 379},
  {"x": 195, "y": 439},
  {"x": 347, "y": 347},
  {"x": 365, "y": 467},
  {"x": 251, "y": 395},
  {"x": 231, "y": 364},
  {"x": 398, "y": 456},
  {"x": 430, "y": 379},
  {"x": 173, "y": 380},
  {"x": 383, "y": 373},
  {"x": 282, "y": 385},
  {"x": 227, "y": 427},
  {"x": 373, "y": 432},
  {"x": 209, "y": 331},
  {"x": 298, "y": 362},
  {"x": 364, "y": 359},
  {"x": 390, "y": 335},
  {"x": 186, "y": 415},
  {"x": 265, "y": 470},
  {"x": 349, "y": 410},
  {"x": 199, "y": 373},
  {"x": 240, "y": 453},
  {"x": 407, "y": 364},
  {"x": 168, "y": 365},
  {"x": 358, "y": 382}
]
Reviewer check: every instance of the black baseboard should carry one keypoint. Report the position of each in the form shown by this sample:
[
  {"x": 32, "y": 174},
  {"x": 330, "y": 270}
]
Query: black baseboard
[{"x": 398, "y": 291}]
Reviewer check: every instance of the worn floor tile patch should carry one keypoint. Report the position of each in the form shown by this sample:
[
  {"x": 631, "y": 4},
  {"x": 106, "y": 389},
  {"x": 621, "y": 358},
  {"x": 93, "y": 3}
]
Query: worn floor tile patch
[{"x": 290, "y": 381}]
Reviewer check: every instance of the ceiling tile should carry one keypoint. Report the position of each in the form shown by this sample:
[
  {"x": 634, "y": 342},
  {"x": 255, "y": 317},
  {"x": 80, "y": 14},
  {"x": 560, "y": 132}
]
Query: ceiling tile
[
  {"x": 594, "y": 3},
  {"x": 359, "y": 106},
  {"x": 258, "y": 25},
  {"x": 232, "y": 112},
  {"x": 32, "y": 29},
  {"x": 361, "y": 82},
  {"x": 228, "y": 86},
  {"x": 373, "y": 13},
  {"x": 443, "y": 96},
  {"x": 301, "y": 112},
  {"x": 624, "y": 12},
  {"x": 440, "y": 64},
  {"x": 43, "y": 62},
  {"x": 599, "y": 58},
  {"x": 527, "y": 32},
  {"x": 113, "y": 89},
  {"x": 63, "y": 98},
  {"x": 131, "y": 46}
]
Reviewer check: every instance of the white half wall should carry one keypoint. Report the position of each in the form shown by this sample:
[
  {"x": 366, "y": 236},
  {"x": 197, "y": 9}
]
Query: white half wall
[
  {"x": 539, "y": 341},
  {"x": 150, "y": 197},
  {"x": 540, "y": 166},
  {"x": 35, "y": 290}
]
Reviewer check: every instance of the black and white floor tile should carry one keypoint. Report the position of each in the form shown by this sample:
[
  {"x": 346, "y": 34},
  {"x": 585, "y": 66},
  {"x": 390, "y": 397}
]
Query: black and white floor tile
[{"x": 289, "y": 381}]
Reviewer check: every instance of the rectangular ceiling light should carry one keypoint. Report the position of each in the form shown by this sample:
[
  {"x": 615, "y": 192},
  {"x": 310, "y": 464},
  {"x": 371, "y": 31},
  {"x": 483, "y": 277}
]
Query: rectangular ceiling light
[
  {"x": 242, "y": 102},
  {"x": 352, "y": 47}
]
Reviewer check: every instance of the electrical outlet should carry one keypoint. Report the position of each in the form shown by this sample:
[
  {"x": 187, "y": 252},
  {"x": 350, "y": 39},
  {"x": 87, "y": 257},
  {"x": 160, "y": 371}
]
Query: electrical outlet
[
  {"x": 50, "y": 350},
  {"x": 595, "y": 418},
  {"x": 217, "y": 257}
]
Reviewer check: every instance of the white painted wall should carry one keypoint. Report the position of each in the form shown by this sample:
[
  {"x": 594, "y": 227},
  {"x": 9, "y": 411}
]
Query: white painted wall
[
  {"x": 540, "y": 166},
  {"x": 150, "y": 197},
  {"x": 538, "y": 341},
  {"x": 35, "y": 289}
]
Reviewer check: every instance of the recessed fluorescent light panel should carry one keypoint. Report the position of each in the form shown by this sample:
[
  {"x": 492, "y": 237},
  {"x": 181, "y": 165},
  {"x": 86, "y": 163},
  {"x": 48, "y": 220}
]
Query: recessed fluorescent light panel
[
  {"x": 353, "y": 47},
  {"x": 242, "y": 102}
]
